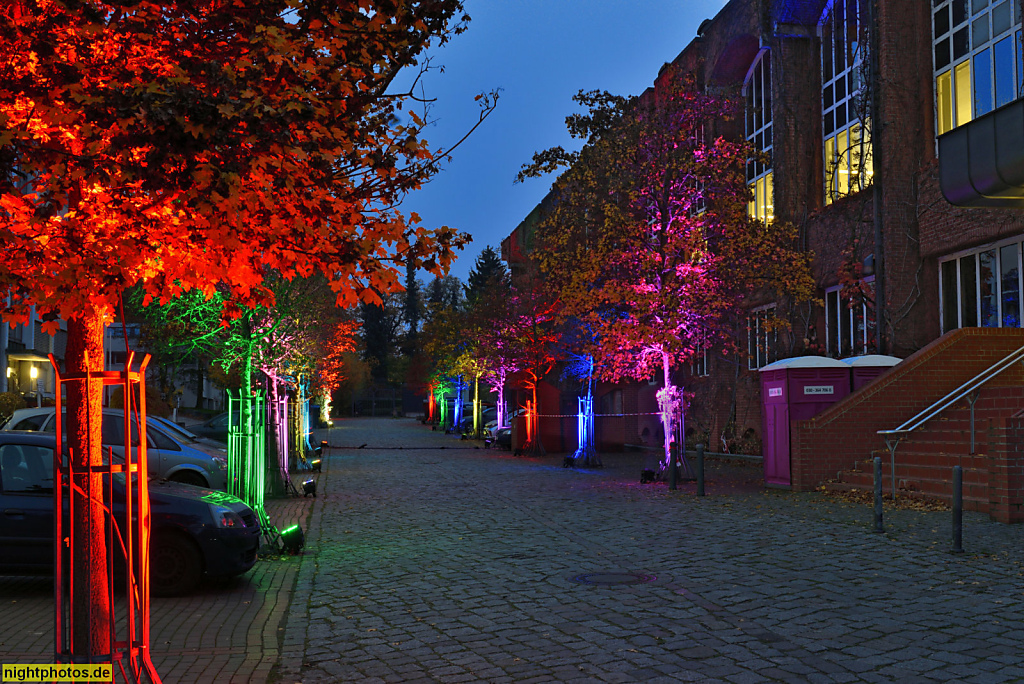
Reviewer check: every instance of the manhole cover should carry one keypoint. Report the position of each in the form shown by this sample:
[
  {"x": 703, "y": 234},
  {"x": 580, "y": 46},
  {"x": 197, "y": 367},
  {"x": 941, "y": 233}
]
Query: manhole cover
[{"x": 611, "y": 578}]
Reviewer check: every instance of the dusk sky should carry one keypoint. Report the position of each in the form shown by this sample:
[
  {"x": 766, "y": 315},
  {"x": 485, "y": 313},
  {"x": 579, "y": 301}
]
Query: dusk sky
[{"x": 540, "y": 53}]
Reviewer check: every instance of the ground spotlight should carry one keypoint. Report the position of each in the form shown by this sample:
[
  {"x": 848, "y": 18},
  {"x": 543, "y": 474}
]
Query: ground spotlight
[
  {"x": 315, "y": 465},
  {"x": 293, "y": 539},
  {"x": 309, "y": 487}
]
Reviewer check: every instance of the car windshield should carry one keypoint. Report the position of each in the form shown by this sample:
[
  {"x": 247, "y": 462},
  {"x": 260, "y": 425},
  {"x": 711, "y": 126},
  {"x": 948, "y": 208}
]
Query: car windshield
[
  {"x": 175, "y": 429},
  {"x": 26, "y": 468}
]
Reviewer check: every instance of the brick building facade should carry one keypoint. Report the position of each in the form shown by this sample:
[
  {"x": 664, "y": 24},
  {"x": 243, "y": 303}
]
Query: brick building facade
[{"x": 843, "y": 133}]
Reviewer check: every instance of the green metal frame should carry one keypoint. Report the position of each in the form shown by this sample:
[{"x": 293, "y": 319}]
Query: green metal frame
[{"x": 247, "y": 453}]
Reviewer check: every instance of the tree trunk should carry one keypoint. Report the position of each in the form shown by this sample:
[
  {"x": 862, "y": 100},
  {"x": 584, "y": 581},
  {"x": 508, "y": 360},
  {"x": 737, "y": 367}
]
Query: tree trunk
[
  {"x": 666, "y": 416},
  {"x": 200, "y": 377},
  {"x": 477, "y": 427},
  {"x": 274, "y": 444},
  {"x": 502, "y": 414},
  {"x": 534, "y": 445},
  {"x": 91, "y": 598}
]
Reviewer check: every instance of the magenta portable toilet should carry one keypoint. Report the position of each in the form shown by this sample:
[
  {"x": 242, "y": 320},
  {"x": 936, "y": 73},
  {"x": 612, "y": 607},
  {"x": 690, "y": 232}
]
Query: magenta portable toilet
[
  {"x": 795, "y": 389},
  {"x": 864, "y": 369}
]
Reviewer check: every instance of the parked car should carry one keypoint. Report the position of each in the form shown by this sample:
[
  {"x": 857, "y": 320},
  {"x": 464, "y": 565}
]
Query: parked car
[
  {"x": 501, "y": 437},
  {"x": 195, "y": 531},
  {"x": 491, "y": 425},
  {"x": 215, "y": 428},
  {"x": 170, "y": 455},
  {"x": 185, "y": 435},
  {"x": 489, "y": 413}
]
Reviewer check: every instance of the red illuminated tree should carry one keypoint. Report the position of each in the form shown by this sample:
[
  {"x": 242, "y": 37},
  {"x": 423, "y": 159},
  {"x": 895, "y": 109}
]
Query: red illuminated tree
[
  {"x": 197, "y": 145},
  {"x": 533, "y": 342},
  {"x": 331, "y": 367},
  {"x": 647, "y": 241}
]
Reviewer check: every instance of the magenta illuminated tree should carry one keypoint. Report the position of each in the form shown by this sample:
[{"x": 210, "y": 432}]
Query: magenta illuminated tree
[
  {"x": 647, "y": 241},
  {"x": 493, "y": 323}
]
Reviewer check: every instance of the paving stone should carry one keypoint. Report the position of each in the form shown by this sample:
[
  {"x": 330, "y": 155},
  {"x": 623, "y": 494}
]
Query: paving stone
[{"x": 458, "y": 559}]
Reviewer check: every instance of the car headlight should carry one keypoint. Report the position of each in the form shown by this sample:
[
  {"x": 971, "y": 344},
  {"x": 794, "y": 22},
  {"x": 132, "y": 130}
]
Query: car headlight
[
  {"x": 225, "y": 517},
  {"x": 222, "y": 463}
]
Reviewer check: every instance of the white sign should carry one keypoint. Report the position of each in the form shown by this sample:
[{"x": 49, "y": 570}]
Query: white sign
[
  {"x": 774, "y": 391},
  {"x": 818, "y": 389}
]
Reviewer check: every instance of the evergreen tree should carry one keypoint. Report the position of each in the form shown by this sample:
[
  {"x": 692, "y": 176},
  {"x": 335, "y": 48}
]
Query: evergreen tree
[
  {"x": 444, "y": 294},
  {"x": 488, "y": 271},
  {"x": 381, "y": 324},
  {"x": 411, "y": 311}
]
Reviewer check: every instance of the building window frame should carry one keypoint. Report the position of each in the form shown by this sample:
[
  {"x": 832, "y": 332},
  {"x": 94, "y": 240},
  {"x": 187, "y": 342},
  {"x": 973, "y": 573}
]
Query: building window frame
[
  {"x": 758, "y": 126},
  {"x": 976, "y": 58},
  {"x": 977, "y": 300},
  {"x": 762, "y": 339},
  {"x": 845, "y": 124},
  {"x": 849, "y": 330},
  {"x": 699, "y": 363}
]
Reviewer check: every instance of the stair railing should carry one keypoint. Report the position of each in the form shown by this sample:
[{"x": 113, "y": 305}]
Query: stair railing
[{"x": 969, "y": 390}]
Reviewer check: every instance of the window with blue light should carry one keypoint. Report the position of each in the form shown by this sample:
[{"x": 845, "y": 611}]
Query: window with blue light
[
  {"x": 981, "y": 287},
  {"x": 977, "y": 58}
]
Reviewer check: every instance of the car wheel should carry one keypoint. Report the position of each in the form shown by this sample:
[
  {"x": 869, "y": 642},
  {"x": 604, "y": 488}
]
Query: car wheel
[
  {"x": 189, "y": 477},
  {"x": 175, "y": 565}
]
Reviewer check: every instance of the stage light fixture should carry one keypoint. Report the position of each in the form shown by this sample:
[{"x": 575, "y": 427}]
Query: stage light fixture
[
  {"x": 315, "y": 465},
  {"x": 309, "y": 487},
  {"x": 293, "y": 539}
]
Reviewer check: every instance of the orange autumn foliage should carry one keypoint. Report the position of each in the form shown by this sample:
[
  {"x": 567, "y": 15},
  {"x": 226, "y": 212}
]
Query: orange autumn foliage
[
  {"x": 188, "y": 144},
  {"x": 200, "y": 145}
]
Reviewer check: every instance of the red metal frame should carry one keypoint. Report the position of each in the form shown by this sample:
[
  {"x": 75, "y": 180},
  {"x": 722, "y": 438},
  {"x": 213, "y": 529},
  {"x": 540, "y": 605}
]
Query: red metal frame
[{"x": 130, "y": 651}]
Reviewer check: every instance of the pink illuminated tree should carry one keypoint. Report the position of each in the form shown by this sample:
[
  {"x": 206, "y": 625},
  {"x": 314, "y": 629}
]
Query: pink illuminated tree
[{"x": 647, "y": 241}]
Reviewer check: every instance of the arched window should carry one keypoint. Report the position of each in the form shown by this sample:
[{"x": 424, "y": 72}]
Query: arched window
[
  {"x": 757, "y": 91},
  {"x": 845, "y": 102}
]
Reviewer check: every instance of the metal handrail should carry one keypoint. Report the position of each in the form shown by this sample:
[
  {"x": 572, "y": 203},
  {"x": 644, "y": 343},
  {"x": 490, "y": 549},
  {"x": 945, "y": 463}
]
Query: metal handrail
[{"x": 967, "y": 390}]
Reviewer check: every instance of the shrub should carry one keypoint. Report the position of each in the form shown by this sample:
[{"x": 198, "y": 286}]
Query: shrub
[{"x": 9, "y": 403}]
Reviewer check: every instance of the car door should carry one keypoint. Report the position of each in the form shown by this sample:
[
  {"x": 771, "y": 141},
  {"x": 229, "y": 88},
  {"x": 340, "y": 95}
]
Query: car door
[
  {"x": 113, "y": 437},
  {"x": 26, "y": 506},
  {"x": 163, "y": 450}
]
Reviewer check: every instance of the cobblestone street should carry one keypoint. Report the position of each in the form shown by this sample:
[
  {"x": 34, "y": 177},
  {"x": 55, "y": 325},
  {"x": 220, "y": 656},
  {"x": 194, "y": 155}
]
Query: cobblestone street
[{"x": 431, "y": 560}]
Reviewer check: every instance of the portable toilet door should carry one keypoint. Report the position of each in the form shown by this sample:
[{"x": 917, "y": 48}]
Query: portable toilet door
[
  {"x": 775, "y": 427},
  {"x": 795, "y": 389}
]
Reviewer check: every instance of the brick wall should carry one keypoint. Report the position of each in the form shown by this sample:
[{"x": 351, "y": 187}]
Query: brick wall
[
  {"x": 846, "y": 433},
  {"x": 919, "y": 226},
  {"x": 1006, "y": 469}
]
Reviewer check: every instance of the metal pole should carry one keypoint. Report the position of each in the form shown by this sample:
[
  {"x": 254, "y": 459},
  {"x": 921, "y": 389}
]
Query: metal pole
[
  {"x": 700, "y": 470},
  {"x": 958, "y": 509},
  {"x": 879, "y": 527},
  {"x": 892, "y": 464},
  {"x": 672, "y": 470}
]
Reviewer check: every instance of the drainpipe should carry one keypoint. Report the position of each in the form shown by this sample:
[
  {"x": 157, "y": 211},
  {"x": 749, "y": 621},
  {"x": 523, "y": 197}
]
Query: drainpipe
[{"x": 876, "y": 181}]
